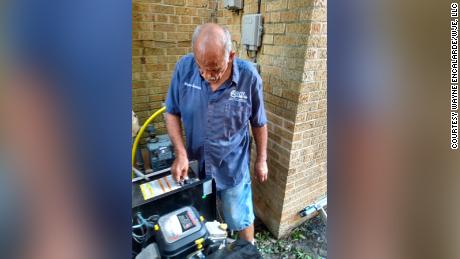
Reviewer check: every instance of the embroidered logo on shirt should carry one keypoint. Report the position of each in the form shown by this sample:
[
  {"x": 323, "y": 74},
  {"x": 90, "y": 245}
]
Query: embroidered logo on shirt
[
  {"x": 192, "y": 86},
  {"x": 238, "y": 96}
]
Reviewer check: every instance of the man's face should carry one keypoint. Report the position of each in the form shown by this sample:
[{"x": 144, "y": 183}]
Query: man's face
[{"x": 212, "y": 68}]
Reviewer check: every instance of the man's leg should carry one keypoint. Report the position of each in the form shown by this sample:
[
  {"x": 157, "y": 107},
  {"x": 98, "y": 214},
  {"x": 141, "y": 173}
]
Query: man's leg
[
  {"x": 238, "y": 209},
  {"x": 247, "y": 233}
]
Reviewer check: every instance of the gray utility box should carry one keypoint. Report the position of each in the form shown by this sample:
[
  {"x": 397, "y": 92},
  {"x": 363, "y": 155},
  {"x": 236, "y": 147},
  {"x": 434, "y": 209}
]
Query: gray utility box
[
  {"x": 252, "y": 31},
  {"x": 233, "y": 4}
]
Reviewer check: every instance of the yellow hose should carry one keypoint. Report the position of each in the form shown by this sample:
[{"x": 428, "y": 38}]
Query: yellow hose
[{"x": 141, "y": 131}]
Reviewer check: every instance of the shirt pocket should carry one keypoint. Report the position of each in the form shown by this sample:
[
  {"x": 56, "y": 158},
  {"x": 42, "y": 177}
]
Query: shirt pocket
[{"x": 236, "y": 118}]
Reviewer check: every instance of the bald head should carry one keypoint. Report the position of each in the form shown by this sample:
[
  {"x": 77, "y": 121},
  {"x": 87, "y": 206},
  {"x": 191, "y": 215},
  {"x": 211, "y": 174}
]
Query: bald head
[
  {"x": 212, "y": 48},
  {"x": 212, "y": 40}
]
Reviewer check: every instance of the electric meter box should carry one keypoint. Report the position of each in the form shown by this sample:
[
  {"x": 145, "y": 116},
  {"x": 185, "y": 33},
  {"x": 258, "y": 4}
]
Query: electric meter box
[
  {"x": 252, "y": 31},
  {"x": 233, "y": 4}
]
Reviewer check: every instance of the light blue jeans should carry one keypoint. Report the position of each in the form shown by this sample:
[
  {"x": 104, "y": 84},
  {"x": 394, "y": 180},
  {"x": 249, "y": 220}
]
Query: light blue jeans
[{"x": 237, "y": 205}]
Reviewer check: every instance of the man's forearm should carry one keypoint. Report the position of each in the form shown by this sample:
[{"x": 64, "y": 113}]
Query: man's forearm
[
  {"x": 260, "y": 136},
  {"x": 174, "y": 127}
]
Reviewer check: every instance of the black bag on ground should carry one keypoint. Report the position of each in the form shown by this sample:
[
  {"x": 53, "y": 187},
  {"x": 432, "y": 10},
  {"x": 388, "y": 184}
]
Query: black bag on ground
[{"x": 240, "y": 249}]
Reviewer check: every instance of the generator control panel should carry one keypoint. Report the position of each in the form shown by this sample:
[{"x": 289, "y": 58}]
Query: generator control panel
[{"x": 179, "y": 224}]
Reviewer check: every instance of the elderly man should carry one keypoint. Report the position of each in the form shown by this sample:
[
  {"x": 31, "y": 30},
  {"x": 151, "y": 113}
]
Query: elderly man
[{"x": 215, "y": 96}]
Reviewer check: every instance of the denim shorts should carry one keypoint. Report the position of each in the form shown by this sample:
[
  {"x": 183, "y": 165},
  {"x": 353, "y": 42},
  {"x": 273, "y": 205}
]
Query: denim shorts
[{"x": 237, "y": 204}]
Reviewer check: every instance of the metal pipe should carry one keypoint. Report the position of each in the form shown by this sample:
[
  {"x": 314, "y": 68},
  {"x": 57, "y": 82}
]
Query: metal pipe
[
  {"x": 150, "y": 174},
  {"x": 140, "y": 174},
  {"x": 318, "y": 206}
]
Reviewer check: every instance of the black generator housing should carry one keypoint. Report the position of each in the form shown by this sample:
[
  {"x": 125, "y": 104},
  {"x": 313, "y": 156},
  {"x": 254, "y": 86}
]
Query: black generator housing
[{"x": 197, "y": 193}]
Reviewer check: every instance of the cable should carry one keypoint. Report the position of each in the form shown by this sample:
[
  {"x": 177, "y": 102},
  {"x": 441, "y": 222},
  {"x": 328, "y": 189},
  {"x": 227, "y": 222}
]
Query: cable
[
  {"x": 249, "y": 56},
  {"x": 220, "y": 217},
  {"x": 144, "y": 226},
  {"x": 138, "y": 226},
  {"x": 142, "y": 237},
  {"x": 237, "y": 46}
]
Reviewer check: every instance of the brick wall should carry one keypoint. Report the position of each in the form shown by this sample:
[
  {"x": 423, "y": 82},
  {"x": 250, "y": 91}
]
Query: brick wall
[
  {"x": 162, "y": 32},
  {"x": 293, "y": 68}
]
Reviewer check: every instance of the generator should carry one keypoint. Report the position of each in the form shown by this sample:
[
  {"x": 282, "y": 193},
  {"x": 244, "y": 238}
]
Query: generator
[
  {"x": 172, "y": 220},
  {"x": 172, "y": 215}
]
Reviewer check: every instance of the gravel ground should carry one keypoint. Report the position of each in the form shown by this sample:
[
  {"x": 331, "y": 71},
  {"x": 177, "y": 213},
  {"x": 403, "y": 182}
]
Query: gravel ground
[{"x": 307, "y": 241}]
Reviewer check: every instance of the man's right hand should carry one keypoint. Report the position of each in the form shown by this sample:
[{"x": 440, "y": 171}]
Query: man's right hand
[{"x": 179, "y": 168}]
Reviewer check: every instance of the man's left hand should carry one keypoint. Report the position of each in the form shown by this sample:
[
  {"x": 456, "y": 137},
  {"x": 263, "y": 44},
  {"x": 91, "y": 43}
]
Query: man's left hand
[{"x": 261, "y": 170}]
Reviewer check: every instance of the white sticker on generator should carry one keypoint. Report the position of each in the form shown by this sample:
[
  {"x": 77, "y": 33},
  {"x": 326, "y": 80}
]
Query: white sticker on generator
[
  {"x": 158, "y": 187},
  {"x": 207, "y": 187}
]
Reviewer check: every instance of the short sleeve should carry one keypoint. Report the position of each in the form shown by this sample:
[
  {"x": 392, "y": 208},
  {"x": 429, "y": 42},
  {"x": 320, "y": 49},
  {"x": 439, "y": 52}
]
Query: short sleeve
[
  {"x": 172, "y": 98},
  {"x": 258, "y": 116}
]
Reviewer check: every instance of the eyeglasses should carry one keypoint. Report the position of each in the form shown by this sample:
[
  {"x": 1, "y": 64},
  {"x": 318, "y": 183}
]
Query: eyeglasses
[{"x": 213, "y": 74}]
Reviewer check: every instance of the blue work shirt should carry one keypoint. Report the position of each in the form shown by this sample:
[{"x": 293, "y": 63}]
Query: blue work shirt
[{"x": 217, "y": 123}]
